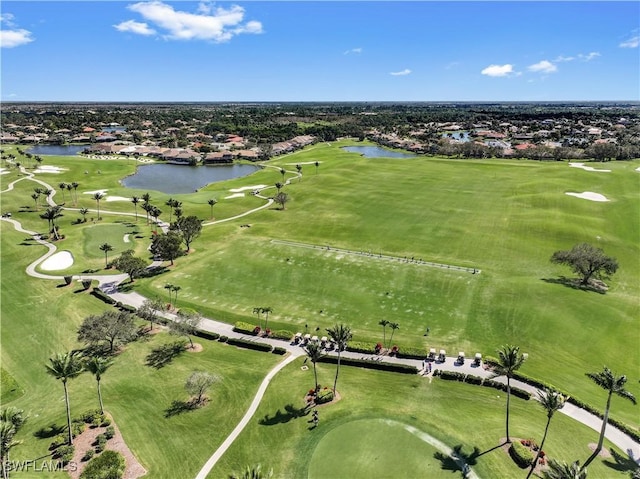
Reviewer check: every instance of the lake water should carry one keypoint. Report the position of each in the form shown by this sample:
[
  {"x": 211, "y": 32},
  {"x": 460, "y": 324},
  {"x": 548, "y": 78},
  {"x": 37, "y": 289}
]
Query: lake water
[
  {"x": 60, "y": 150},
  {"x": 377, "y": 152},
  {"x": 176, "y": 179}
]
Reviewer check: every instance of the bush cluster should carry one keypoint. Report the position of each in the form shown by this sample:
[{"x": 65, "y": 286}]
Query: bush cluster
[
  {"x": 283, "y": 334},
  {"x": 223, "y": 339},
  {"x": 324, "y": 397},
  {"x": 249, "y": 344},
  {"x": 279, "y": 350},
  {"x": 412, "y": 353},
  {"x": 471, "y": 379},
  {"x": 109, "y": 464},
  {"x": 126, "y": 307},
  {"x": 360, "y": 347},
  {"x": 522, "y": 455},
  {"x": 102, "y": 296},
  {"x": 207, "y": 335},
  {"x": 65, "y": 453},
  {"x": 245, "y": 328}
]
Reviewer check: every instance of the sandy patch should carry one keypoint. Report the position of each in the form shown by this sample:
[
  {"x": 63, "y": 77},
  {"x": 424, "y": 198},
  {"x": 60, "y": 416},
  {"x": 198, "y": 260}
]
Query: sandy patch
[
  {"x": 104, "y": 192},
  {"x": 235, "y": 195},
  {"x": 245, "y": 188},
  {"x": 126, "y": 239},
  {"x": 4, "y": 171},
  {"x": 117, "y": 198},
  {"x": 589, "y": 195},
  {"x": 638, "y": 168},
  {"x": 587, "y": 168},
  {"x": 49, "y": 169},
  {"x": 60, "y": 260},
  {"x": 304, "y": 163}
]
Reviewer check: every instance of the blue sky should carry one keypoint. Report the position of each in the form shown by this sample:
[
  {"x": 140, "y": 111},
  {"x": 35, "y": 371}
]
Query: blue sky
[{"x": 319, "y": 51}]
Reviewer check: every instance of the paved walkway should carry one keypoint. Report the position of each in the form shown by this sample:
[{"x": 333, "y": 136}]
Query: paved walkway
[{"x": 109, "y": 284}]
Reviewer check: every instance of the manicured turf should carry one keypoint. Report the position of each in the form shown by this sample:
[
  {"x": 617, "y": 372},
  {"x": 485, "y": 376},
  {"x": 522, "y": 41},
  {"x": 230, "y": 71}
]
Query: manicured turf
[{"x": 10, "y": 390}]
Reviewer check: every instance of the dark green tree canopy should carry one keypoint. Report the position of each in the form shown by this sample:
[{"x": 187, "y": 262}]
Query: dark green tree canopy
[
  {"x": 587, "y": 261},
  {"x": 167, "y": 247},
  {"x": 132, "y": 265},
  {"x": 189, "y": 228},
  {"x": 111, "y": 328}
]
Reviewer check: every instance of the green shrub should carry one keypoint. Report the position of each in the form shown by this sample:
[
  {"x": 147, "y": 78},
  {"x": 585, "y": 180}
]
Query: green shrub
[
  {"x": 471, "y": 379},
  {"x": 411, "y": 353},
  {"x": 88, "y": 455},
  {"x": 279, "y": 350},
  {"x": 324, "y": 397},
  {"x": 109, "y": 465},
  {"x": 245, "y": 328},
  {"x": 359, "y": 347},
  {"x": 77, "y": 428},
  {"x": 207, "y": 335},
  {"x": 128, "y": 308},
  {"x": 283, "y": 334},
  {"x": 223, "y": 339},
  {"x": 369, "y": 364},
  {"x": 110, "y": 432},
  {"x": 522, "y": 455},
  {"x": 102, "y": 296},
  {"x": 249, "y": 344},
  {"x": 452, "y": 375},
  {"x": 59, "y": 440},
  {"x": 65, "y": 453},
  {"x": 105, "y": 422}
]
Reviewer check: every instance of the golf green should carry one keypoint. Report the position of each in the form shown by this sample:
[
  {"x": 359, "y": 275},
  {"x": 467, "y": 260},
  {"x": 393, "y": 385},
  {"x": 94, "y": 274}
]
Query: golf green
[{"x": 376, "y": 448}]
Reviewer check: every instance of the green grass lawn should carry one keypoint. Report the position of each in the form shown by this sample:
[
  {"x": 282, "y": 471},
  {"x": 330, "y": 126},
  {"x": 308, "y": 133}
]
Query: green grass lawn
[{"x": 504, "y": 217}]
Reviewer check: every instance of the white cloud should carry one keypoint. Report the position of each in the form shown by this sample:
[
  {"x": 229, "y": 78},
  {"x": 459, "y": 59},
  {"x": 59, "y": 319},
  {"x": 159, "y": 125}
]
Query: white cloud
[
  {"x": 589, "y": 56},
  {"x": 543, "y": 66},
  {"x": 632, "y": 42},
  {"x": 13, "y": 37},
  {"x": 406, "y": 71},
  {"x": 561, "y": 58},
  {"x": 498, "y": 70},
  {"x": 135, "y": 27},
  {"x": 451, "y": 65},
  {"x": 212, "y": 24},
  {"x": 353, "y": 50}
]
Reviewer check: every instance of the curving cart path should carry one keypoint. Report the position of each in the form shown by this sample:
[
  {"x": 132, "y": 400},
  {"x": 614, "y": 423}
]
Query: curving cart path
[{"x": 109, "y": 284}]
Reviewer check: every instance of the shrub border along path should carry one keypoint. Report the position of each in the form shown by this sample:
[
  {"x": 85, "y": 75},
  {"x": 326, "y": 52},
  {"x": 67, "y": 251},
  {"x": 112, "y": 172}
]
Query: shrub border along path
[{"x": 109, "y": 285}]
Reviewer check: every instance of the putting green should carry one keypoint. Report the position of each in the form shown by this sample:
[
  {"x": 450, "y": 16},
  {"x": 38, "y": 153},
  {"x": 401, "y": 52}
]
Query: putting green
[{"x": 367, "y": 448}]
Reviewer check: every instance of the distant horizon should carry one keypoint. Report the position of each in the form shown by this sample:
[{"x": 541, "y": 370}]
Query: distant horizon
[
  {"x": 321, "y": 102},
  {"x": 298, "y": 51}
]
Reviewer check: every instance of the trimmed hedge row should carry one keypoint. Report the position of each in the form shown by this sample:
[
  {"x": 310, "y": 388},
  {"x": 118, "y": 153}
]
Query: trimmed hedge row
[
  {"x": 126, "y": 307},
  {"x": 249, "y": 344},
  {"x": 283, "y": 334},
  {"x": 379, "y": 365},
  {"x": 279, "y": 350},
  {"x": 471, "y": 379},
  {"x": 522, "y": 456},
  {"x": 360, "y": 347},
  {"x": 411, "y": 353},
  {"x": 103, "y": 296},
  {"x": 245, "y": 328},
  {"x": 207, "y": 335}
]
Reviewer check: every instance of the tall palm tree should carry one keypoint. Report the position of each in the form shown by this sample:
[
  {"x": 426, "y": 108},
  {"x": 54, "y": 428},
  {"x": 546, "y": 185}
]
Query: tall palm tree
[
  {"x": 65, "y": 366},
  {"x": 170, "y": 203},
  {"x": 613, "y": 385},
  {"x": 97, "y": 366},
  {"x": 155, "y": 213},
  {"x": 339, "y": 334},
  {"x": 106, "y": 247},
  {"x": 75, "y": 185},
  {"x": 551, "y": 401},
  {"x": 282, "y": 172},
  {"x": 7, "y": 433},
  {"x": 135, "y": 200},
  {"x": 317, "y": 164},
  {"x": 83, "y": 212},
  {"x": 211, "y": 203},
  {"x": 258, "y": 311},
  {"x": 252, "y": 472},
  {"x": 98, "y": 196},
  {"x": 563, "y": 470},
  {"x": 278, "y": 185},
  {"x": 36, "y": 197},
  {"x": 147, "y": 205},
  {"x": 509, "y": 361},
  {"x": 51, "y": 214},
  {"x": 175, "y": 288},
  {"x": 314, "y": 351},
  {"x": 62, "y": 186},
  {"x": 393, "y": 327},
  {"x": 266, "y": 312},
  {"x": 384, "y": 324},
  {"x": 69, "y": 188},
  {"x": 169, "y": 287}
]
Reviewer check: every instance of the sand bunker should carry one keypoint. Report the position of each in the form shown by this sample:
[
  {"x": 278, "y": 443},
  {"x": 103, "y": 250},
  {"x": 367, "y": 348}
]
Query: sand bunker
[
  {"x": 117, "y": 198},
  {"x": 638, "y": 168},
  {"x": 587, "y": 168},
  {"x": 589, "y": 195},
  {"x": 49, "y": 169},
  {"x": 235, "y": 195},
  {"x": 104, "y": 192},
  {"x": 4, "y": 171},
  {"x": 304, "y": 163},
  {"x": 244, "y": 188},
  {"x": 60, "y": 260}
]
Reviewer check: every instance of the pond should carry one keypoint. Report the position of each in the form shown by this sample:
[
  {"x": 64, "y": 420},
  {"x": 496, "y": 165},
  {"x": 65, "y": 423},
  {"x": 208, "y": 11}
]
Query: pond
[
  {"x": 60, "y": 150},
  {"x": 176, "y": 179},
  {"x": 377, "y": 152}
]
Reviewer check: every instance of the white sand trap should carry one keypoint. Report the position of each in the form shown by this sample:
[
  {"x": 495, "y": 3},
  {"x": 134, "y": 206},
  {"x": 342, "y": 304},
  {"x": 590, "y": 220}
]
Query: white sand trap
[
  {"x": 244, "y": 188},
  {"x": 117, "y": 198},
  {"x": 304, "y": 163},
  {"x": 126, "y": 239},
  {"x": 4, "y": 171},
  {"x": 49, "y": 169},
  {"x": 638, "y": 168},
  {"x": 61, "y": 260},
  {"x": 587, "y": 168},
  {"x": 589, "y": 195},
  {"x": 104, "y": 192},
  {"x": 235, "y": 195}
]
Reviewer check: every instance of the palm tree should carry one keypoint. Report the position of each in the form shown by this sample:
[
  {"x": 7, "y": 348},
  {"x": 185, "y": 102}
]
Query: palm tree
[
  {"x": 563, "y": 470},
  {"x": 252, "y": 472},
  {"x": 314, "y": 351},
  {"x": 169, "y": 287},
  {"x": 170, "y": 203},
  {"x": 62, "y": 186},
  {"x": 339, "y": 334},
  {"x": 614, "y": 385},
  {"x": 266, "y": 312},
  {"x": 211, "y": 203},
  {"x": 35, "y": 197},
  {"x": 384, "y": 324},
  {"x": 7, "y": 433},
  {"x": 51, "y": 214},
  {"x": 64, "y": 367},
  {"x": 393, "y": 327},
  {"x": 83, "y": 212},
  {"x": 278, "y": 185},
  {"x": 282, "y": 172},
  {"x": 97, "y": 366},
  {"x": 551, "y": 401},
  {"x": 106, "y": 247},
  {"x": 146, "y": 198},
  {"x": 509, "y": 361},
  {"x": 155, "y": 212},
  {"x": 258, "y": 311},
  {"x": 175, "y": 289},
  {"x": 135, "y": 200},
  {"x": 98, "y": 196},
  {"x": 317, "y": 164},
  {"x": 75, "y": 185},
  {"x": 69, "y": 188}
]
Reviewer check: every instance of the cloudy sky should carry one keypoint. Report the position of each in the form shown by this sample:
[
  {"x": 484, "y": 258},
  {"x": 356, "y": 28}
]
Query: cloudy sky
[{"x": 319, "y": 51}]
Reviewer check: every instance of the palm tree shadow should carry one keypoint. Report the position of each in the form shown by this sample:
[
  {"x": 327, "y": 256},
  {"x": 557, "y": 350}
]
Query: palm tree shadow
[
  {"x": 453, "y": 463},
  {"x": 49, "y": 431},
  {"x": 621, "y": 462},
  {"x": 574, "y": 283},
  {"x": 290, "y": 412}
]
